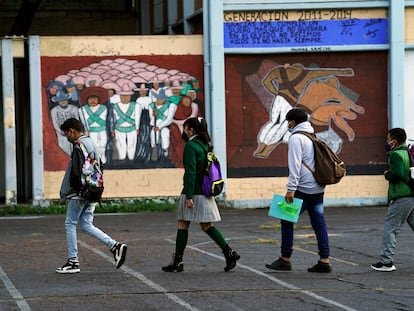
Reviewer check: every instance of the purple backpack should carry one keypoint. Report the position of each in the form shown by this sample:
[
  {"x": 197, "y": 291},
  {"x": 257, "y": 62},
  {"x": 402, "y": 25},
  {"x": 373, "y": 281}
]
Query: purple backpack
[{"x": 213, "y": 182}]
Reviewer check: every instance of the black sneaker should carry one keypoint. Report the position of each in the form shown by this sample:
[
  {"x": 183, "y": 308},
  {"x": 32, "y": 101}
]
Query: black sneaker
[
  {"x": 384, "y": 267},
  {"x": 119, "y": 250},
  {"x": 321, "y": 267},
  {"x": 280, "y": 265},
  {"x": 70, "y": 266}
]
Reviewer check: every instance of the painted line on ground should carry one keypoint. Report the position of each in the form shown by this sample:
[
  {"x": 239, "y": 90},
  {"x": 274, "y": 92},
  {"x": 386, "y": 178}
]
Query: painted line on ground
[
  {"x": 142, "y": 278},
  {"x": 276, "y": 280},
  {"x": 351, "y": 263},
  {"x": 13, "y": 291},
  {"x": 347, "y": 262}
]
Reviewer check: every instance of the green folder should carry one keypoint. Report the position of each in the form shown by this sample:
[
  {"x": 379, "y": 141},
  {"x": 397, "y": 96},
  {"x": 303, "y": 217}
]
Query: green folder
[{"x": 279, "y": 208}]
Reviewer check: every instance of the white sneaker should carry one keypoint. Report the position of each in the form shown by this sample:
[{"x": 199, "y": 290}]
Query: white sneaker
[
  {"x": 119, "y": 250},
  {"x": 69, "y": 267},
  {"x": 384, "y": 267}
]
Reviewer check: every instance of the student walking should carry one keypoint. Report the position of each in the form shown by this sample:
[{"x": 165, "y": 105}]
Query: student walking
[
  {"x": 79, "y": 209},
  {"x": 301, "y": 184},
  {"x": 193, "y": 205},
  {"x": 400, "y": 197}
]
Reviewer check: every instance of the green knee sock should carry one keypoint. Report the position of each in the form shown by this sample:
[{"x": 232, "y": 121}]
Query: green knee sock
[
  {"x": 181, "y": 241},
  {"x": 217, "y": 237}
]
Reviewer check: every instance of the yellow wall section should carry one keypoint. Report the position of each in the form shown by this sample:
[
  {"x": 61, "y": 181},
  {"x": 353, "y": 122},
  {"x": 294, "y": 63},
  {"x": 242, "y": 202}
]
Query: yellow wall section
[
  {"x": 168, "y": 183},
  {"x": 122, "y": 45},
  {"x": 409, "y": 25},
  {"x": 127, "y": 183}
]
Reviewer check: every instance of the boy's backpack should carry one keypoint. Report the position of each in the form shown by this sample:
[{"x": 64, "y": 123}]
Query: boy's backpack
[
  {"x": 329, "y": 168},
  {"x": 213, "y": 182},
  {"x": 91, "y": 177}
]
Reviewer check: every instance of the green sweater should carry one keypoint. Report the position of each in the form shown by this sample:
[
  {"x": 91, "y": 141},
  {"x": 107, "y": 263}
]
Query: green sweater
[
  {"x": 398, "y": 173},
  {"x": 195, "y": 162}
]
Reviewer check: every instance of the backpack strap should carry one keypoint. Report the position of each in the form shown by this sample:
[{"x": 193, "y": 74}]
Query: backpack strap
[
  {"x": 91, "y": 155},
  {"x": 312, "y": 138},
  {"x": 202, "y": 146},
  {"x": 83, "y": 148}
]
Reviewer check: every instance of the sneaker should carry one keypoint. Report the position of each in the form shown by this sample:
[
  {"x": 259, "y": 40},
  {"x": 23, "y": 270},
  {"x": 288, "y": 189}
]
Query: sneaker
[
  {"x": 384, "y": 267},
  {"x": 70, "y": 266},
  {"x": 321, "y": 267},
  {"x": 119, "y": 250},
  {"x": 280, "y": 265}
]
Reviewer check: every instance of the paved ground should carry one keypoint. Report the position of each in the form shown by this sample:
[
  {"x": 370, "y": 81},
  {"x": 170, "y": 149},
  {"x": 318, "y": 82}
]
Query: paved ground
[{"x": 32, "y": 247}]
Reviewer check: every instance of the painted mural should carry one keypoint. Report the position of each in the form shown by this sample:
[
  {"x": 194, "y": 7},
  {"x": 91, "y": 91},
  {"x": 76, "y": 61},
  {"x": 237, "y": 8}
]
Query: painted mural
[
  {"x": 319, "y": 90},
  {"x": 132, "y": 108},
  {"x": 342, "y": 92}
]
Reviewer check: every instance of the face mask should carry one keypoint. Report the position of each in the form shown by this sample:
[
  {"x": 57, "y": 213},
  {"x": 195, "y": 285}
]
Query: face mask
[
  {"x": 290, "y": 130},
  {"x": 184, "y": 137},
  {"x": 387, "y": 146}
]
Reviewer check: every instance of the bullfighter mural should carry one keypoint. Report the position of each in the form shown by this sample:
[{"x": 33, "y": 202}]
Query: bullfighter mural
[{"x": 318, "y": 90}]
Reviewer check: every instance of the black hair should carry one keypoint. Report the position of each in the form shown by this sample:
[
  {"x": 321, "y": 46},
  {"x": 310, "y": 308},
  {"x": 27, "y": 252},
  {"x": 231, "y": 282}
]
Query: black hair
[
  {"x": 199, "y": 125},
  {"x": 298, "y": 115},
  {"x": 72, "y": 123},
  {"x": 398, "y": 134}
]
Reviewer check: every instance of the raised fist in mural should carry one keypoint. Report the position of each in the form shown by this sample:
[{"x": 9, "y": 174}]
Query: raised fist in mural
[
  {"x": 325, "y": 101},
  {"x": 291, "y": 80}
]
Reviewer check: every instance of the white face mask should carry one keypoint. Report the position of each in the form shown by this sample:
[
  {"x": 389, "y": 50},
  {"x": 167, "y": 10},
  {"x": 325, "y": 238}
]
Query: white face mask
[{"x": 290, "y": 129}]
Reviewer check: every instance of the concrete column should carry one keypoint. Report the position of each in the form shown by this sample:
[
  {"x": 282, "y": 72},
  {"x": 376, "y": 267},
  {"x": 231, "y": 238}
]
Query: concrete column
[
  {"x": 9, "y": 121},
  {"x": 396, "y": 64},
  {"x": 215, "y": 78},
  {"x": 145, "y": 11},
  {"x": 188, "y": 10},
  {"x": 36, "y": 120},
  {"x": 172, "y": 15}
]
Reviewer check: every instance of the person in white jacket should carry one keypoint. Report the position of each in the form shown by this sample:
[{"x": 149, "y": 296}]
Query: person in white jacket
[{"x": 301, "y": 184}]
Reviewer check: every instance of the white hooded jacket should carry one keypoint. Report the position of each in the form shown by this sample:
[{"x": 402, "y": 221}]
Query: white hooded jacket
[{"x": 301, "y": 149}]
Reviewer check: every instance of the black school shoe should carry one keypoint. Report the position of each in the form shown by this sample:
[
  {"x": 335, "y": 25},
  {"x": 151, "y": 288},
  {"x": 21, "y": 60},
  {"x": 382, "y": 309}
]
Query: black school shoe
[
  {"x": 280, "y": 265},
  {"x": 231, "y": 259},
  {"x": 321, "y": 267}
]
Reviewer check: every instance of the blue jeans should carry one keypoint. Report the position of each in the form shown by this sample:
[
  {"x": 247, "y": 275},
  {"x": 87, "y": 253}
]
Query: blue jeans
[
  {"x": 398, "y": 211},
  {"x": 82, "y": 211},
  {"x": 313, "y": 203}
]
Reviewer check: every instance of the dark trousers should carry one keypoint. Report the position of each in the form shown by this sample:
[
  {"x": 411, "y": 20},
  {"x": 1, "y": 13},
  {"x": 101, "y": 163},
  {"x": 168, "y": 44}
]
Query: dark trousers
[{"x": 313, "y": 204}]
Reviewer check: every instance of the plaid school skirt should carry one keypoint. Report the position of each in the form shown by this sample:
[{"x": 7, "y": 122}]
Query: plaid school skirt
[{"x": 205, "y": 209}]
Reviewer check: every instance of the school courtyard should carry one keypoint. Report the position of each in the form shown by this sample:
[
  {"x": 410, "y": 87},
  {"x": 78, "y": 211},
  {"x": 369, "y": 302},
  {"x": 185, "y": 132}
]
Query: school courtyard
[{"x": 33, "y": 247}]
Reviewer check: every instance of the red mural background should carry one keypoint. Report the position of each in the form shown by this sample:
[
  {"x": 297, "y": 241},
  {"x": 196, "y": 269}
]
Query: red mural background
[
  {"x": 246, "y": 114},
  {"x": 54, "y": 158}
]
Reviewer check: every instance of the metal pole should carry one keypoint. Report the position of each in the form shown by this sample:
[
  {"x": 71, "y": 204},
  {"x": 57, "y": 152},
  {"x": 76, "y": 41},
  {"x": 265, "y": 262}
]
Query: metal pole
[
  {"x": 9, "y": 120},
  {"x": 36, "y": 120}
]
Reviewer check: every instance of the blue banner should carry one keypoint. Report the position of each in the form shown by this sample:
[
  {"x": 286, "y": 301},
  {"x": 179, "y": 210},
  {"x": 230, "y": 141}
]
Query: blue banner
[{"x": 306, "y": 33}]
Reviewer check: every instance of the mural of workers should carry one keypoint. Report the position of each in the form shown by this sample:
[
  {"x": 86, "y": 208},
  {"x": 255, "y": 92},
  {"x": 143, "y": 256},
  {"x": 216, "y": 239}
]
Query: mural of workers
[
  {"x": 59, "y": 113},
  {"x": 161, "y": 113},
  {"x": 127, "y": 116},
  {"x": 130, "y": 87},
  {"x": 186, "y": 109},
  {"x": 94, "y": 116}
]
